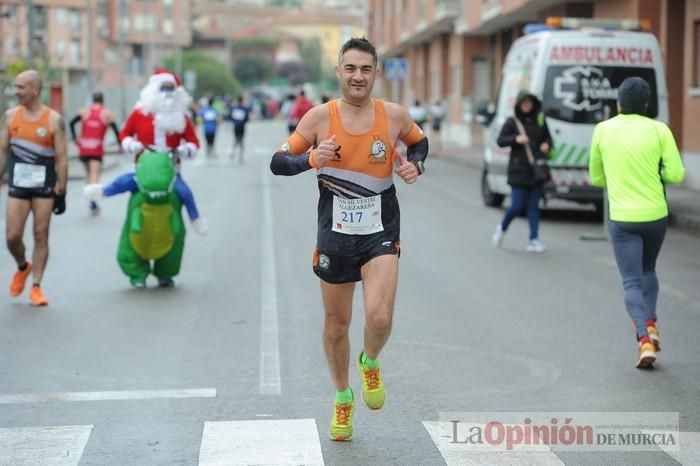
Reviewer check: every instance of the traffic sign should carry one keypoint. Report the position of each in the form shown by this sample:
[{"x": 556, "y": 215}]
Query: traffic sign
[{"x": 395, "y": 69}]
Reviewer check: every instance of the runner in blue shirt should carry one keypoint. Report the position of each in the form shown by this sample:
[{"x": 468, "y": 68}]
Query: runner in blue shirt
[
  {"x": 210, "y": 118},
  {"x": 240, "y": 114}
]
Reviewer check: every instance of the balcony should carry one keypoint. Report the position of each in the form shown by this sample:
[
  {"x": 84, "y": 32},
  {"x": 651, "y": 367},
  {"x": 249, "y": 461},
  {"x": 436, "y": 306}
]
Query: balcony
[
  {"x": 490, "y": 9},
  {"x": 448, "y": 9}
]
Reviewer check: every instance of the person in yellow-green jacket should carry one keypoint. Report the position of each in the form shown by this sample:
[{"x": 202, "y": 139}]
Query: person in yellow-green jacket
[{"x": 633, "y": 157}]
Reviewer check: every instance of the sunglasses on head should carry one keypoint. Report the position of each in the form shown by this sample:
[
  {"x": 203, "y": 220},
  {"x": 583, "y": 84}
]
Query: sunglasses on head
[{"x": 167, "y": 87}]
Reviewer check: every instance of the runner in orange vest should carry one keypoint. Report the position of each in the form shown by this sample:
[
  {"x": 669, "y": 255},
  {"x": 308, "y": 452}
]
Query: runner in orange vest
[{"x": 34, "y": 135}]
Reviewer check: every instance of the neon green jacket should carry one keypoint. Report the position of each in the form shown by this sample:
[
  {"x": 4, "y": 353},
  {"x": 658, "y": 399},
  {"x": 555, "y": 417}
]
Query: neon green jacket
[{"x": 633, "y": 156}]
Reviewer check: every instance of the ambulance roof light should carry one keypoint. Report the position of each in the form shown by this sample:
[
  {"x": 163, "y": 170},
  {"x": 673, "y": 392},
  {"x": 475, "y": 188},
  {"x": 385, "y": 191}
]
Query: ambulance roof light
[{"x": 599, "y": 23}]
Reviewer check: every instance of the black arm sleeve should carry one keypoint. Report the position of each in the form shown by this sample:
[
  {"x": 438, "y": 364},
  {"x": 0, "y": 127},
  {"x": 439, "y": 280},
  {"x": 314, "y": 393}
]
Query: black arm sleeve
[
  {"x": 508, "y": 133},
  {"x": 288, "y": 165},
  {"x": 113, "y": 125},
  {"x": 74, "y": 122},
  {"x": 417, "y": 151}
]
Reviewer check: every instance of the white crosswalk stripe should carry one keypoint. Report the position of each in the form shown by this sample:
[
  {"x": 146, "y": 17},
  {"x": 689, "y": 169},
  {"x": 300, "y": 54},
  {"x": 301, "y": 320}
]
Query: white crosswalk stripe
[
  {"x": 455, "y": 454},
  {"x": 688, "y": 451},
  {"x": 279, "y": 442},
  {"x": 48, "y": 446}
]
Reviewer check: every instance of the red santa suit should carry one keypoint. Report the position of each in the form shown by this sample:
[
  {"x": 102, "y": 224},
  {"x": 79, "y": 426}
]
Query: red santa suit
[{"x": 142, "y": 127}]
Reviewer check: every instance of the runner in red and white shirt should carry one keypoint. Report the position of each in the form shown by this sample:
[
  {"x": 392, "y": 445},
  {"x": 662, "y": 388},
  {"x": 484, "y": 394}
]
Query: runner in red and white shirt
[{"x": 96, "y": 119}]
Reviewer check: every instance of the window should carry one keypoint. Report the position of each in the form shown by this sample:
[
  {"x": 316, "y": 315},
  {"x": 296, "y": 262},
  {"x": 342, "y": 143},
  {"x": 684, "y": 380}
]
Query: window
[
  {"x": 61, "y": 16},
  {"x": 589, "y": 95},
  {"x": 76, "y": 55},
  {"x": 696, "y": 54},
  {"x": 168, "y": 27},
  {"x": 125, "y": 25},
  {"x": 76, "y": 24},
  {"x": 60, "y": 49},
  {"x": 11, "y": 45}
]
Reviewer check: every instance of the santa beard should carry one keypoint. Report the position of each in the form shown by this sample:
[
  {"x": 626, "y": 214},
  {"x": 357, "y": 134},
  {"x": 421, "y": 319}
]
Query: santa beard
[{"x": 168, "y": 108}]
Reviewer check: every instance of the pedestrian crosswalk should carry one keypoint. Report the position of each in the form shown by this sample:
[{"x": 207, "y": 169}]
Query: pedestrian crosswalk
[
  {"x": 48, "y": 446},
  {"x": 288, "y": 441},
  {"x": 274, "y": 442}
]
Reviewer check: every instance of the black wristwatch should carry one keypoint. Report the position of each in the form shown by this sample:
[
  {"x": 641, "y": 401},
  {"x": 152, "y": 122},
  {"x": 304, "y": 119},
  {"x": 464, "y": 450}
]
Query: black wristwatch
[{"x": 419, "y": 166}]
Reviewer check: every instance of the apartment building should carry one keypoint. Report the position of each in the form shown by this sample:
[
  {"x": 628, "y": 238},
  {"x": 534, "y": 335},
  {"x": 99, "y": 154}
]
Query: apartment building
[
  {"x": 91, "y": 45},
  {"x": 454, "y": 50}
]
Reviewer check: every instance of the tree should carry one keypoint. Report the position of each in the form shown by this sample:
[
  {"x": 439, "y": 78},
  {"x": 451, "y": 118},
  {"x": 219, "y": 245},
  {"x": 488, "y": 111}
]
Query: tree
[
  {"x": 251, "y": 70},
  {"x": 311, "y": 52},
  {"x": 213, "y": 78}
]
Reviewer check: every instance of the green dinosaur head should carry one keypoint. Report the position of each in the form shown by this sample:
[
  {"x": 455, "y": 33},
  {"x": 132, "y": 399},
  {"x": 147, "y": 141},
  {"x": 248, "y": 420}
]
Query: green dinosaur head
[{"x": 155, "y": 176}]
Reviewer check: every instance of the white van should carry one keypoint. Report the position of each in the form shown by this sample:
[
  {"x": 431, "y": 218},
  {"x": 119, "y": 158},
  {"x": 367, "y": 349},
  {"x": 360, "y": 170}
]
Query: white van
[{"x": 576, "y": 73}]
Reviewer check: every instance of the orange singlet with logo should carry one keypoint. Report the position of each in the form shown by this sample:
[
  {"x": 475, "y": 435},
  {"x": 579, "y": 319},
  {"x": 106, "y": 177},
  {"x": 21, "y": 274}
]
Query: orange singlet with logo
[
  {"x": 360, "y": 179},
  {"x": 32, "y": 154}
]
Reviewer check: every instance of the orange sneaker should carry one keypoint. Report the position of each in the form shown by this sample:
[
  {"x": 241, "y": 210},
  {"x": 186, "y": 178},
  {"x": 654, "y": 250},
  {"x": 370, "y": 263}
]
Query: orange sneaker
[
  {"x": 36, "y": 297},
  {"x": 19, "y": 279}
]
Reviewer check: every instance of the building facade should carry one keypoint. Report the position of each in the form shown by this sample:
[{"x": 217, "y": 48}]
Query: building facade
[
  {"x": 454, "y": 50},
  {"x": 93, "y": 45}
]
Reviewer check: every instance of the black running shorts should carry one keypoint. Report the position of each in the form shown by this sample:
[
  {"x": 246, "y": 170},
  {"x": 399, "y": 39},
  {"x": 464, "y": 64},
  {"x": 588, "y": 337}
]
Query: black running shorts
[{"x": 336, "y": 269}]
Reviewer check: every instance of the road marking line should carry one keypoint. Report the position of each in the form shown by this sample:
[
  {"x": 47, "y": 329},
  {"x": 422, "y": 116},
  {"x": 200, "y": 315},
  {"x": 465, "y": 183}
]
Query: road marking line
[
  {"x": 48, "y": 446},
  {"x": 442, "y": 432},
  {"x": 107, "y": 395},
  {"x": 269, "y": 334},
  {"x": 280, "y": 442}
]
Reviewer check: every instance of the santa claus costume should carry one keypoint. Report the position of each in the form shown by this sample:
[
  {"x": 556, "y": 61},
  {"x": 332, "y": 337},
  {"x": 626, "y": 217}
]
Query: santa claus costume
[{"x": 160, "y": 121}]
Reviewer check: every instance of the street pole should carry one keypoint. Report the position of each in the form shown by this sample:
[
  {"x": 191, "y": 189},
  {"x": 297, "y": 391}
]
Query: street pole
[
  {"x": 178, "y": 46},
  {"x": 120, "y": 47},
  {"x": 89, "y": 47},
  {"x": 30, "y": 29}
]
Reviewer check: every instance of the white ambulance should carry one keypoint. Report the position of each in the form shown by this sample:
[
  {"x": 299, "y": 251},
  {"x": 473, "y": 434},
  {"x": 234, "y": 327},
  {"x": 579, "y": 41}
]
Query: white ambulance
[{"x": 575, "y": 67}]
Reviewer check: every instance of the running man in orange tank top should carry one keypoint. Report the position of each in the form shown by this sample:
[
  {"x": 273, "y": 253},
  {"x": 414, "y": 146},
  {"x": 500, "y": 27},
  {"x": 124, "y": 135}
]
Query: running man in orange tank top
[
  {"x": 354, "y": 140},
  {"x": 35, "y": 138}
]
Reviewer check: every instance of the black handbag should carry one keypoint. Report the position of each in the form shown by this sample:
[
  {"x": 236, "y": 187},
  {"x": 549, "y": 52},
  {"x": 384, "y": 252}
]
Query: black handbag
[{"x": 540, "y": 167}]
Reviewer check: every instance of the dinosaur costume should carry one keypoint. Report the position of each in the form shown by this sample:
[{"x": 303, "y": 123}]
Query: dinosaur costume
[{"x": 153, "y": 229}]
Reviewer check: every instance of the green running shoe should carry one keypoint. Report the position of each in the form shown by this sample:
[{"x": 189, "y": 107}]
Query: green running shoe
[
  {"x": 373, "y": 393},
  {"x": 341, "y": 424}
]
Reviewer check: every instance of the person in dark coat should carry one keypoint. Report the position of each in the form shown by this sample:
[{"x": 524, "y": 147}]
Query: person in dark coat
[{"x": 525, "y": 192}]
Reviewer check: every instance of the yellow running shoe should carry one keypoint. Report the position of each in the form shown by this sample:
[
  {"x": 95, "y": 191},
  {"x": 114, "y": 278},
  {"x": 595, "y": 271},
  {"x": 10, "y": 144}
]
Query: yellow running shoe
[
  {"x": 653, "y": 333},
  {"x": 373, "y": 393},
  {"x": 19, "y": 279},
  {"x": 341, "y": 424},
  {"x": 647, "y": 356}
]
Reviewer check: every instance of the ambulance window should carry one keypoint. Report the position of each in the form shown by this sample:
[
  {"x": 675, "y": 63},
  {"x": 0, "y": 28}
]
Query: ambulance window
[{"x": 588, "y": 94}]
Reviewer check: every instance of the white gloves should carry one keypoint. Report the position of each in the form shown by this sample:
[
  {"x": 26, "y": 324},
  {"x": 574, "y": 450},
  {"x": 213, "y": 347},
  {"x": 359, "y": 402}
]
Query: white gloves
[
  {"x": 131, "y": 146},
  {"x": 201, "y": 226},
  {"x": 186, "y": 150},
  {"x": 94, "y": 191}
]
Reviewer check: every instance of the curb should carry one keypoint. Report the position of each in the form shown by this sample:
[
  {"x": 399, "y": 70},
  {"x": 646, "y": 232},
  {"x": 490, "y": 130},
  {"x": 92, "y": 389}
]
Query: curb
[
  {"x": 472, "y": 157},
  {"x": 689, "y": 223}
]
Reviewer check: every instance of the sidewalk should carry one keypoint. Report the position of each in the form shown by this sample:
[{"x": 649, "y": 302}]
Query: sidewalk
[{"x": 683, "y": 203}]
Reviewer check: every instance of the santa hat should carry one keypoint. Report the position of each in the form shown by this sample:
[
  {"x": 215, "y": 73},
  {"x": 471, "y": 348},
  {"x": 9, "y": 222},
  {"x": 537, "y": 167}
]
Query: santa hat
[{"x": 161, "y": 76}]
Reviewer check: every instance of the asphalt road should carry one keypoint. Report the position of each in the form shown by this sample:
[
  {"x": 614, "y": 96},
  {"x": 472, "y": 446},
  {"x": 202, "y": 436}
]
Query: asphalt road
[{"x": 228, "y": 368}]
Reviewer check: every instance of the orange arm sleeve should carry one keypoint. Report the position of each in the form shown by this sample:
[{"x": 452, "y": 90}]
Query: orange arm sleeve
[
  {"x": 296, "y": 144},
  {"x": 415, "y": 135}
]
